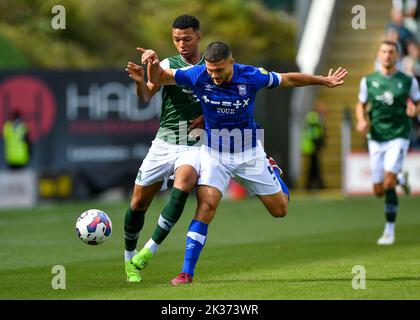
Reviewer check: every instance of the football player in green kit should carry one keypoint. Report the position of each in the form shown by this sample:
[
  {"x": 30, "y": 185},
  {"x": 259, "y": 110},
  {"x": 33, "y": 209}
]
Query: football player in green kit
[
  {"x": 172, "y": 151},
  {"x": 386, "y": 92}
]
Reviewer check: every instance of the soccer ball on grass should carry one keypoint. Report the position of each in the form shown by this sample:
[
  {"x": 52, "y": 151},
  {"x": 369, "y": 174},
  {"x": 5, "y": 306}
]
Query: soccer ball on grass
[{"x": 93, "y": 226}]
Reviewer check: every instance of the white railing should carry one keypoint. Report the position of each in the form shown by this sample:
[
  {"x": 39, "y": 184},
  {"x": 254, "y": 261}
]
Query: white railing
[{"x": 309, "y": 58}]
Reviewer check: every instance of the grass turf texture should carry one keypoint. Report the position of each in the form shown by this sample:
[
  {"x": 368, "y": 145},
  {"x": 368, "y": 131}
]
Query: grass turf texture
[{"x": 248, "y": 255}]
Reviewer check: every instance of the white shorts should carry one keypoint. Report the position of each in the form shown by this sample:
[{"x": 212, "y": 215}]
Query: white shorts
[
  {"x": 387, "y": 156},
  {"x": 163, "y": 159},
  {"x": 251, "y": 169}
]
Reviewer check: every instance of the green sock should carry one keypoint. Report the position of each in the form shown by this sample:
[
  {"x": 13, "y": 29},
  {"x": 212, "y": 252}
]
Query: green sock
[
  {"x": 133, "y": 223},
  {"x": 170, "y": 214},
  {"x": 391, "y": 205}
]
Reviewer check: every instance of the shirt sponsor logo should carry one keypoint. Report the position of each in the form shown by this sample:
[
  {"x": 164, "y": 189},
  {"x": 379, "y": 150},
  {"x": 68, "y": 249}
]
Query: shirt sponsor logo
[
  {"x": 225, "y": 110},
  {"x": 237, "y": 104},
  {"x": 387, "y": 98}
]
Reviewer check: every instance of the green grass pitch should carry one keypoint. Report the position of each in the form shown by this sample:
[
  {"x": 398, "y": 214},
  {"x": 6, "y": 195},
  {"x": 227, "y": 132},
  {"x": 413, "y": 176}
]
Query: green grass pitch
[{"x": 248, "y": 255}]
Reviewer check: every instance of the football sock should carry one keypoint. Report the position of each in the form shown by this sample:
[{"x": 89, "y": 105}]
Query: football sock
[
  {"x": 389, "y": 228},
  {"x": 170, "y": 214},
  {"x": 129, "y": 254},
  {"x": 152, "y": 246},
  {"x": 284, "y": 188},
  {"x": 400, "y": 179},
  {"x": 133, "y": 223},
  {"x": 196, "y": 238},
  {"x": 391, "y": 205}
]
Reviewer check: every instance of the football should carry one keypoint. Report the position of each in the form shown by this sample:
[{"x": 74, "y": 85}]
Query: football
[{"x": 93, "y": 226}]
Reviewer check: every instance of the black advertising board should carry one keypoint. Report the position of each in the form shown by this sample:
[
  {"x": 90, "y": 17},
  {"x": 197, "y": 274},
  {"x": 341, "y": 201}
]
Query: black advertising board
[{"x": 88, "y": 123}]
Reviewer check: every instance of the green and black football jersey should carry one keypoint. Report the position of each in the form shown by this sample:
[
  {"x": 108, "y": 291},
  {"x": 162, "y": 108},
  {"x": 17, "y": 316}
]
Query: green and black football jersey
[
  {"x": 179, "y": 106},
  {"x": 387, "y": 97}
]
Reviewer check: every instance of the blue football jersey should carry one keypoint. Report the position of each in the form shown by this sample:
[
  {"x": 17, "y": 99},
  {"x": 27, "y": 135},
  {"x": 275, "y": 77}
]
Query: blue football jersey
[{"x": 228, "y": 107}]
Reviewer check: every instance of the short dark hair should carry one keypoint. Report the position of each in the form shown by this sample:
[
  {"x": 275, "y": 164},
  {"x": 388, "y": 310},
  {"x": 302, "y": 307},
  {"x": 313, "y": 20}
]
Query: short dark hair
[
  {"x": 391, "y": 43},
  {"x": 217, "y": 51},
  {"x": 186, "y": 21}
]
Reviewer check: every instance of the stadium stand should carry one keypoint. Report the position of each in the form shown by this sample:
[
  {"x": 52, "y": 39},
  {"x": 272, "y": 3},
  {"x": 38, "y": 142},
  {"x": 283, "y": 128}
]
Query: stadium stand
[{"x": 355, "y": 50}]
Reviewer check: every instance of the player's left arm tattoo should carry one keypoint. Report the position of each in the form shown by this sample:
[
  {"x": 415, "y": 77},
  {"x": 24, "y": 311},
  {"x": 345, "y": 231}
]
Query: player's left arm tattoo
[
  {"x": 159, "y": 76},
  {"x": 167, "y": 77}
]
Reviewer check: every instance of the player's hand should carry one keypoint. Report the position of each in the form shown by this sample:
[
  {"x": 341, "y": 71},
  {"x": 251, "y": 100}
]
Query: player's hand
[
  {"x": 135, "y": 71},
  {"x": 362, "y": 126},
  {"x": 148, "y": 56},
  {"x": 411, "y": 110},
  {"x": 335, "y": 78},
  {"x": 196, "y": 123}
]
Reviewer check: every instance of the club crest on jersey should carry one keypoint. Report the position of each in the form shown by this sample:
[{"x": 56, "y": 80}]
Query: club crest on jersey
[{"x": 242, "y": 89}]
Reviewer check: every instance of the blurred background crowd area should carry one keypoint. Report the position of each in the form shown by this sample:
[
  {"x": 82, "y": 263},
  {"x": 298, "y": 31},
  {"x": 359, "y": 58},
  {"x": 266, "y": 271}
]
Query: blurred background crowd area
[
  {"x": 101, "y": 37},
  {"x": 404, "y": 28}
]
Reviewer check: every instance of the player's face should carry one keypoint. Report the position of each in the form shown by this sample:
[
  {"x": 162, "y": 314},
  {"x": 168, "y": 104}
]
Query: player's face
[
  {"x": 220, "y": 71},
  {"x": 388, "y": 55},
  {"x": 186, "y": 42}
]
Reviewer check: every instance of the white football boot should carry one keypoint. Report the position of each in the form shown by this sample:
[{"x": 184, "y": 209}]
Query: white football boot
[{"x": 386, "y": 239}]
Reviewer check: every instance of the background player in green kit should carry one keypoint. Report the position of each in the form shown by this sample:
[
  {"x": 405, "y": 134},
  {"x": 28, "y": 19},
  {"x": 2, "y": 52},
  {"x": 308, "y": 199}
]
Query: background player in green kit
[
  {"x": 387, "y": 92},
  {"x": 171, "y": 151}
]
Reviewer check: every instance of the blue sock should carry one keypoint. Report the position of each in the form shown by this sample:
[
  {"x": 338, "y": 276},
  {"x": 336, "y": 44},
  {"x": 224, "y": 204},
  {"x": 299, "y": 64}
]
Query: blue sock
[
  {"x": 284, "y": 188},
  {"x": 196, "y": 238}
]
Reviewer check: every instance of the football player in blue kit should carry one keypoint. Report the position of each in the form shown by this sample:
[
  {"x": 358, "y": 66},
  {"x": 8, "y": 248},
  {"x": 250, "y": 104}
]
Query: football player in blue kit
[{"x": 231, "y": 146}]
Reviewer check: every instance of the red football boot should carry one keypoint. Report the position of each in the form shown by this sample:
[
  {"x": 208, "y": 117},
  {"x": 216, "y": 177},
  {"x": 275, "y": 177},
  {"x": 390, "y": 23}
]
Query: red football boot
[{"x": 182, "y": 278}]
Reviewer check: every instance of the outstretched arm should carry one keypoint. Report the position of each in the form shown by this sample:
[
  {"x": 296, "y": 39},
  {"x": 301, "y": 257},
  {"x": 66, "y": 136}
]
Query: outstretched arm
[
  {"x": 157, "y": 75},
  {"x": 145, "y": 90},
  {"x": 295, "y": 79}
]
